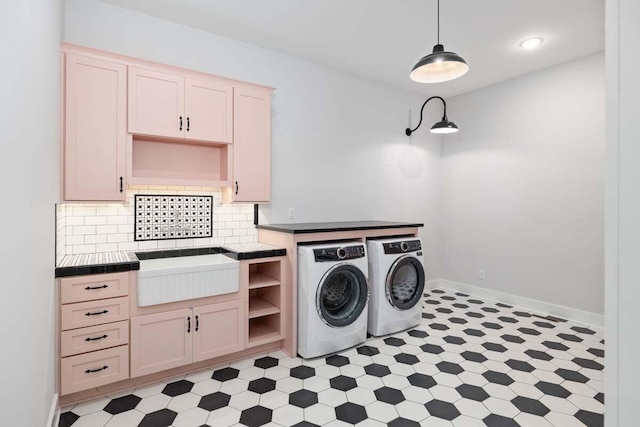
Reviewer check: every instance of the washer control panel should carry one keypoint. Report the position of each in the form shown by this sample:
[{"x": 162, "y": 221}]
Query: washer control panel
[
  {"x": 339, "y": 253},
  {"x": 401, "y": 247}
]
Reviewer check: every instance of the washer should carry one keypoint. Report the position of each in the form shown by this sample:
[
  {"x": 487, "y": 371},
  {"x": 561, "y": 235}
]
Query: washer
[
  {"x": 397, "y": 277},
  {"x": 333, "y": 293}
]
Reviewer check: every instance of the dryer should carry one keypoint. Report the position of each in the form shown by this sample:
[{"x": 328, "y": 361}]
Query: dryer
[
  {"x": 397, "y": 278},
  {"x": 333, "y": 294}
]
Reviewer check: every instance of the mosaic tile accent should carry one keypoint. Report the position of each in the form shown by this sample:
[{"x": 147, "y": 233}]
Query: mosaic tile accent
[
  {"x": 163, "y": 217},
  {"x": 470, "y": 363}
]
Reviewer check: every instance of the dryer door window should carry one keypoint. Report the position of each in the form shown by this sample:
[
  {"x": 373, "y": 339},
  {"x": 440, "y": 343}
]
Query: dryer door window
[
  {"x": 405, "y": 283},
  {"x": 342, "y": 295}
]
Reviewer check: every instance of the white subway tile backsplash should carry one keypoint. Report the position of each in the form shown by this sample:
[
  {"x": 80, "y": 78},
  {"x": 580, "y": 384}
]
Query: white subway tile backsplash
[
  {"x": 80, "y": 230},
  {"x": 97, "y": 227},
  {"x": 95, "y": 220}
]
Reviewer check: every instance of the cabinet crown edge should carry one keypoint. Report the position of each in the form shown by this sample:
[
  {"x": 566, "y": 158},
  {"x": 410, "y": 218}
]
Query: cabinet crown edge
[{"x": 70, "y": 48}]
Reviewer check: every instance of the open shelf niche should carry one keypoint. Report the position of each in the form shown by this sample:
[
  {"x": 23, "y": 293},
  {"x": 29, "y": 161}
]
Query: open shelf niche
[
  {"x": 178, "y": 162},
  {"x": 265, "y": 302}
]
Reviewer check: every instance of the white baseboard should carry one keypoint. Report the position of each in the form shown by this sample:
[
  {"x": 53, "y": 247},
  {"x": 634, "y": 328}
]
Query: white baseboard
[
  {"x": 528, "y": 304},
  {"x": 54, "y": 413}
]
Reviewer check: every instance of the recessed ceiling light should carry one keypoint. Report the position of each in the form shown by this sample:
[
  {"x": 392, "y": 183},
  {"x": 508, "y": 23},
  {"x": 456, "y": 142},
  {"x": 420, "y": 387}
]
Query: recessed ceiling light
[{"x": 531, "y": 43}]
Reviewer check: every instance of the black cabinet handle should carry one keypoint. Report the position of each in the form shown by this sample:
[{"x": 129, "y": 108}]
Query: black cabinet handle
[
  {"x": 91, "y": 371},
  {"x": 180, "y": 122},
  {"x": 188, "y": 124},
  {"x": 93, "y": 288},
  {"x": 189, "y": 324},
  {"x": 197, "y": 323},
  {"x": 96, "y": 338},
  {"x": 121, "y": 184},
  {"x": 237, "y": 187},
  {"x": 97, "y": 313}
]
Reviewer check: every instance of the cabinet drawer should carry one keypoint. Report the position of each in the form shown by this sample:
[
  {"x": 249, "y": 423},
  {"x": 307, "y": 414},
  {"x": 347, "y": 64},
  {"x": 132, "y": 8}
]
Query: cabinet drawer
[
  {"x": 94, "y": 338},
  {"x": 88, "y": 288},
  {"x": 94, "y": 369},
  {"x": 92, "y": 313}
]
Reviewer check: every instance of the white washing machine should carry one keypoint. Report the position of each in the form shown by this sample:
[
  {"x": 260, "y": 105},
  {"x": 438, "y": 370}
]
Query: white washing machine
[
  {"x": 396, "y": 277},
  {"x": 332, "y": 297}
]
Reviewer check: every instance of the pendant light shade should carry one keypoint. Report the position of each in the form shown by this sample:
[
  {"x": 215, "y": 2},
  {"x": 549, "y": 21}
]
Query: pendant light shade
[{"x": 440, "y": 65}]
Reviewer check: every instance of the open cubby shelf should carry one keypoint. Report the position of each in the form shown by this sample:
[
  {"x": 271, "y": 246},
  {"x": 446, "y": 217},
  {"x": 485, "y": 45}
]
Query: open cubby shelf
[
  {"x": 260, "y": 280},
  {"x": 264, "y": 274},
  {"x": 264, "y": 329},
  {"x": 265, "y": 303},
  {"x": 259, "y": 307}
]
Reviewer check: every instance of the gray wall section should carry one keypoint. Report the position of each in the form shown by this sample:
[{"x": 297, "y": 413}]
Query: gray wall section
[
  {"x": 523, "y": 186},
  {"x": 30, "y": 128}
]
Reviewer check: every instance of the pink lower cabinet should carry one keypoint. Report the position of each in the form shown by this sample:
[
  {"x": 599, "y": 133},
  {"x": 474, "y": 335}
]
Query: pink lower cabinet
[
  {"x": 94, "y": 331},
  {"x": 94, "y": 369},
  {"x": 219, "y": 330},
  {"x": 167, "y": 340},
  {"x": 161, "y": 341}
]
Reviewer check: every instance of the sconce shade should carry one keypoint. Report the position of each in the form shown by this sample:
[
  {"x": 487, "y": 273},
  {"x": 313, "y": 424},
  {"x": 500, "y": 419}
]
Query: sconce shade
[{"x": 444, "y": 126}]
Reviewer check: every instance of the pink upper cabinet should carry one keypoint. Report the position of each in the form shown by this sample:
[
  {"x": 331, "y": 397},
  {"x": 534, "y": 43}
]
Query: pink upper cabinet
[
  {"x": 95, "y": 129},
  {"x": 251, "y": 145},
  {"x": 174, "y": 106},
  {"x": 208, "y": 110},
  {"x": 156, "y": 103}
]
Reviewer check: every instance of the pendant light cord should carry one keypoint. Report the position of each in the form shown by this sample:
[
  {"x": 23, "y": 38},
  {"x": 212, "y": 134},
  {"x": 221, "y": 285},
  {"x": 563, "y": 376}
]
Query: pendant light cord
[{"x": 438, "y": 21}]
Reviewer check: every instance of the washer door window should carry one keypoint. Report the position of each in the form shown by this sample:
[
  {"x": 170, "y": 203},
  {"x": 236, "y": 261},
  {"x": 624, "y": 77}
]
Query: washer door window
[
  {"x": 405, "y": 283},
  {"x": 342, "y": 295}
]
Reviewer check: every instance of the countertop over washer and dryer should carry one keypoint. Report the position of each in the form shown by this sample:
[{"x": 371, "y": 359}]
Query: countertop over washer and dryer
[{"x": 289, "y": 236}]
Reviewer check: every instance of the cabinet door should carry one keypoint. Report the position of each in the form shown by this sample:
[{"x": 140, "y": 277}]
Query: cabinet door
[
  {"x": 251, "y": 145},
  {"x": 209, "y": 110},
  {"x": 156, "y": 103},
  {"x": 95, "y": 129},
  {"x": 161, "y": 341},
  {"x": 219, "y": 330}
]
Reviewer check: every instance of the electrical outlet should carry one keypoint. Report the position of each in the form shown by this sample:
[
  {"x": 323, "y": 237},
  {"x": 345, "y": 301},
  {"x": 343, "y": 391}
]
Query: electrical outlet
[
  {"x": 291, "y": 214},
  {"x": 481, "y": 274}
]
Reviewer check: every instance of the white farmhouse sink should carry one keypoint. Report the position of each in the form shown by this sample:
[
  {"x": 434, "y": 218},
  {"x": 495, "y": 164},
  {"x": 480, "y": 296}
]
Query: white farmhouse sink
[{"x": 166, "y": 280}]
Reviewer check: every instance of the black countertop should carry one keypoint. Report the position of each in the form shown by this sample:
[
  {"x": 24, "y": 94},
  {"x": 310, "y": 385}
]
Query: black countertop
[
  {"x": 115, "y": 262},
  {"x": 321, "y": 227}
]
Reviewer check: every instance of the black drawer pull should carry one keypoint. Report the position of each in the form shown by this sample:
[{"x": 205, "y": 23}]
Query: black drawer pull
[
  {"x": 189, "y": 324},
  {"x": 188, "y": 125},
  {"x": 197, "y": 323},
  {"x": 180, "y": 122},
  {"x": 237, "y": 187},
  {"x": 121, "y": 184},
  {"x": 91, "y": 371},
  {"x": 97, "y": 338},
  {"x": 93, "y": 288},
  {"x": 97, "y": 313}
]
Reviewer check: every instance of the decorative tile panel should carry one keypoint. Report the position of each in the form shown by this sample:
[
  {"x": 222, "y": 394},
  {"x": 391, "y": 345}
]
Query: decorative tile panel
[{"x": 163, "y": 217}]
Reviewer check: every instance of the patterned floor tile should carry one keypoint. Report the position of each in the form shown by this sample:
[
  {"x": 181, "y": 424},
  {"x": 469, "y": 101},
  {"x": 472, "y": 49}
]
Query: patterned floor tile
[{"x": 470, "y": 363}]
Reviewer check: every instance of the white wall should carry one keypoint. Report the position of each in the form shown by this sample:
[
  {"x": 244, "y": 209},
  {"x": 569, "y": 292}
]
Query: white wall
[
  {"x": 523, "y": 186},
  {"x": 622, "y": 214},
  {"x": 30, "y": 129},
  {"x": 338, "y": 144}
]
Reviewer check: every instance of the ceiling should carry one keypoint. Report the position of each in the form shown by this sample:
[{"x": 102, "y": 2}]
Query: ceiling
[{"x": 382, "y": 39}]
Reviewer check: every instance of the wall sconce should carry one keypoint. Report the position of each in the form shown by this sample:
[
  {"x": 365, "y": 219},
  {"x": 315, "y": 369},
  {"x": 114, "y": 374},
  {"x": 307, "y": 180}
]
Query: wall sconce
[{"x": 443, "y": 126}]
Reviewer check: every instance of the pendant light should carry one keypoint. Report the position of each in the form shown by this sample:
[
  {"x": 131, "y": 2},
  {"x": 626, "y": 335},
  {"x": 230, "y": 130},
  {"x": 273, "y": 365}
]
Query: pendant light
[{"x": 439, "y": 66}]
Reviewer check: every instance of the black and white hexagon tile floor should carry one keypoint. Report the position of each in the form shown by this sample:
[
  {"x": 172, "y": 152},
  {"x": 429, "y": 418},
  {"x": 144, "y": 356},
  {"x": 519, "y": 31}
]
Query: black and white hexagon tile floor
[{"x": 471, "y": 363}]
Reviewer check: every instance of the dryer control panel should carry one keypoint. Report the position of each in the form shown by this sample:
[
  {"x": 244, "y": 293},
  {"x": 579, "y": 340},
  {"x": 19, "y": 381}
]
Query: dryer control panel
[
  {"x": 402, "y": 246},
  {"x": 339, "y": 253}
]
